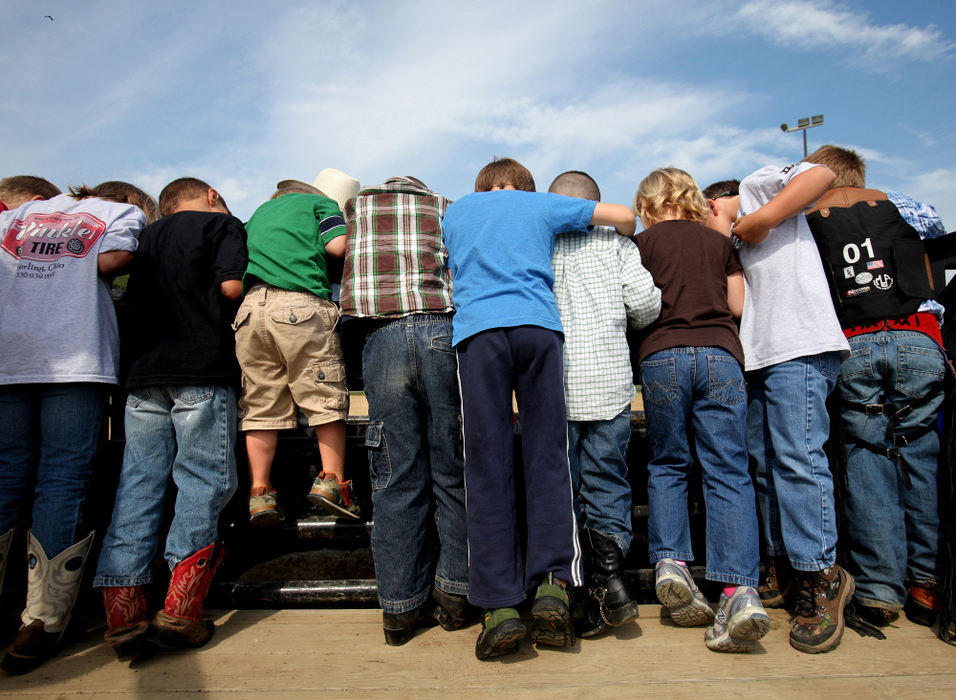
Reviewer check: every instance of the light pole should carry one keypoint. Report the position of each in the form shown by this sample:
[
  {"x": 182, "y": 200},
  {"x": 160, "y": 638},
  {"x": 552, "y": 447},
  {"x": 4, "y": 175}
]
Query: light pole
[{"x": 802, "y": 125}]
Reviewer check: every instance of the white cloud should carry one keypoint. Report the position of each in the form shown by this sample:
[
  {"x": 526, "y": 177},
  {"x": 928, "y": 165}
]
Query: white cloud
[{"x": 821, "y": 24}]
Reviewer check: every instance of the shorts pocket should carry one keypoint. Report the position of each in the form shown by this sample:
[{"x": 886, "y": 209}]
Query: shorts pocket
[
  {"x": 292, "y": 315},
  {"x": 659, "y": 381},
  {"x": 242, "y": 315},
  {"x": 137, "y": 397},
  {"x": 193, "y": 395}
]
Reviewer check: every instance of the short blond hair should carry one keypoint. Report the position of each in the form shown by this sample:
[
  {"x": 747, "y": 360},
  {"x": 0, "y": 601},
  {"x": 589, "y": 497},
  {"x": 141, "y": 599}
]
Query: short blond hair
[{"x": 668, "y": 192}]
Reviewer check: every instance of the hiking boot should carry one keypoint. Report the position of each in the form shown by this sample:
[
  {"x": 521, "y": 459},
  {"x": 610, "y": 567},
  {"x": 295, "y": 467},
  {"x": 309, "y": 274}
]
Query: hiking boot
[
  {"x": 818, "y": 614},
  {"x": 740, "y": 621},
  {"x": 501, "y": 630},
  {"x": 264, "y": 509},
  {"x": 451, "y": 611},
  {"x": 923, "y": 603},
  {"x": 676, "y": 589},
  {"x": 335, "y": 497},
  {"x": 552, "y": 615},
  {"x": 878, "y": 615},
  {"x": 777, "y": 583}
]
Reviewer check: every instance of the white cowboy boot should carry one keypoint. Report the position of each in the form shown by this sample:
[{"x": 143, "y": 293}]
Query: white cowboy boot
[{"x": 52, "y": 587}]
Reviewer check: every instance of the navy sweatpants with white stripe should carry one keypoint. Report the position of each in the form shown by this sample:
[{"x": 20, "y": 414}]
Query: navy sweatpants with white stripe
[{"x": 529, "y": 360}]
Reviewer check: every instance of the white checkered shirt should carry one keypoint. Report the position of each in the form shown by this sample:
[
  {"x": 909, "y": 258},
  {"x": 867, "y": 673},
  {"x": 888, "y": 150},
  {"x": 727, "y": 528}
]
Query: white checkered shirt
[{"x": 601, "y": 286}]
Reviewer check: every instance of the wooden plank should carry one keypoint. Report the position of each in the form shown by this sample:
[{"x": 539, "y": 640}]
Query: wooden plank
[{"x": 307, "y": 653}]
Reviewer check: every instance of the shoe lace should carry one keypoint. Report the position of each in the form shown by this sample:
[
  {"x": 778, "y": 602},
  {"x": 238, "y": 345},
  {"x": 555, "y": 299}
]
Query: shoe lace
[{"x": 812, "y": 586}]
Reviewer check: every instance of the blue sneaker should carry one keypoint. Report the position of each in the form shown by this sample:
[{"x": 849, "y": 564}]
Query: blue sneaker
[
  {"x": 739, "y": 623},
  {"x": 676, "y": 589}
]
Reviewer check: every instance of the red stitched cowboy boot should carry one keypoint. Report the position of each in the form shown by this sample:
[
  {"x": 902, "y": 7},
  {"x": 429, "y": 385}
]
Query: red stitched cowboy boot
[
  {"x": 126, "y": 619},
  {"x": 180, "y": 623}
]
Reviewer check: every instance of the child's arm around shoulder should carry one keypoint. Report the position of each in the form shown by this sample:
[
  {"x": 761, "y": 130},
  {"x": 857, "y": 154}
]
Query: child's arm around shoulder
[
  {"x": 617, "y": 215},
  {"x": 798, "y": 194}
]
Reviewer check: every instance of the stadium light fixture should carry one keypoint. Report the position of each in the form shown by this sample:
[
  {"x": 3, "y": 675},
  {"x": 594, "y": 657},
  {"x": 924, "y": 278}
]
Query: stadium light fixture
[{"x": 803, "y": 124}]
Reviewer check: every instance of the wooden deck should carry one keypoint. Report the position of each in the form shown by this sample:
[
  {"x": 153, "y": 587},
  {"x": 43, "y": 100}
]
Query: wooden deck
[{"x": 341, "y": 653}]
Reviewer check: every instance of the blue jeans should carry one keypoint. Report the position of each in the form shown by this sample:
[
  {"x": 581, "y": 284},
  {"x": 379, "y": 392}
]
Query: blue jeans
[
  {"x": 48, "y": 435},
  {"x": 700, "y": 389},
  {"x": 894, "y": 532},
  {"x": 188, "y": 432},
  {"x": 597, "y": 451},
  {"x": 415, "y": 460},
  {"x": 788, "y": 425}
]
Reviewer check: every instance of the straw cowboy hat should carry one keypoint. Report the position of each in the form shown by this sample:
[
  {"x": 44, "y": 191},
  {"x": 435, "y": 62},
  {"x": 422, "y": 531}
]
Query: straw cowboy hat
[{"x": 337, "y": 185}]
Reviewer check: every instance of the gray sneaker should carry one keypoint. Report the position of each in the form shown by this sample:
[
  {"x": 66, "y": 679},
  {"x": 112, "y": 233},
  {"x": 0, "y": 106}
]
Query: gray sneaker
[
  {"x": 739, "y": 623},
  {"x": 676, "y": 589}
]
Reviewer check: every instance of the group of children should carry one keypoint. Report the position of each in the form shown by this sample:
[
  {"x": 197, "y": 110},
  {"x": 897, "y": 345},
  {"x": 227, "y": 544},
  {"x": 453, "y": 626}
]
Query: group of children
[{"x": 545, "y": 288}]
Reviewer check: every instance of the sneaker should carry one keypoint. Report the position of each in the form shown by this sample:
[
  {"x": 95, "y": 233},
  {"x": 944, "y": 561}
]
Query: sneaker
[
  {"x": 923, "y": 603},
  {"x": 818, "y": 620},
  {"x": 337, "y": 498},
  {"x": 501, "y": 630},
  {"x": 552, "y": 615},
  {"x": 676, "y": 589},
  {"x": 776, "y": 585},
  {"x": 740, "y": 621},
  {"x": 264, "y": 507}
]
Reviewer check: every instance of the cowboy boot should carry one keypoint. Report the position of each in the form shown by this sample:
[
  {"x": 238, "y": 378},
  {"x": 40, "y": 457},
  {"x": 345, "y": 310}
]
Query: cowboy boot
[
  {"x": 126, "y": 621},
  {"x": 52, "y": 587},
  {"x": 180, "y": 623},
  {"x": 606, "y": 583}
]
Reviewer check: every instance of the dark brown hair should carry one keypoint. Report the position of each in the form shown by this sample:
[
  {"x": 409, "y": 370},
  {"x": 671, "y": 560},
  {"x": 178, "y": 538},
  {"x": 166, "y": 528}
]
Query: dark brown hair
[
  {"x": 180, "y": 190},
  {"x": 122, "y": 192},
  {"x": 731, "y": 187}
]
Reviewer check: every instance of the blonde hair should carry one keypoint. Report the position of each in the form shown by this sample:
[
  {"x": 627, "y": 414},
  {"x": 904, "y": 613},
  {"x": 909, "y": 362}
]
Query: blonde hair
[
  {"x": 847, "y": 165},
  {"x": 669, "y": 192}
]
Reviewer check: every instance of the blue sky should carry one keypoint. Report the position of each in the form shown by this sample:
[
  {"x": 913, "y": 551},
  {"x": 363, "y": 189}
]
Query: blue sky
[{"x": 244, "y": 94}]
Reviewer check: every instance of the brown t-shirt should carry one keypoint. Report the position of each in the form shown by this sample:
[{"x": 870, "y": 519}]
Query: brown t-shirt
[{"x": 690, "y": 263}]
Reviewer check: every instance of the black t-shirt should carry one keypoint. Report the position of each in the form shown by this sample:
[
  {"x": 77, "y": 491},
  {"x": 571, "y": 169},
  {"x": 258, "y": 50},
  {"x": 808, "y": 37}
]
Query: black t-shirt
[
  {"x": 179, "y": 327},
  {"x": 690, "y": 263}
]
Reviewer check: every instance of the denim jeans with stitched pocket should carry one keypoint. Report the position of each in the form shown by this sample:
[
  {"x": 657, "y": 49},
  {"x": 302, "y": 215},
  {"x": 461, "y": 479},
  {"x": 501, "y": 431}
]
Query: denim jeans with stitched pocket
[
  {"x": 788, "y": 425},
  {"x": 700, "y": 390},
  {"x": 189, "y": 433},
  {"x": 895, "y": 532},
  {"x": 415, "y": 460},
  {"x": 597, "y": 451},
  {"x": 48, "y": 435}
]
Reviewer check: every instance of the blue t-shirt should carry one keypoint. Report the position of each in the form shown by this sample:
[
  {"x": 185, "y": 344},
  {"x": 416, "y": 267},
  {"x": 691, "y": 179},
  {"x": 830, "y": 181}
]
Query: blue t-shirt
[{"x": 500, "y": 246}]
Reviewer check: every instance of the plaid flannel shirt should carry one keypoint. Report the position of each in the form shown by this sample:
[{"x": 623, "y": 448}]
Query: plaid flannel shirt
[
  {"x": 601, "y": 287},
  {"x": 395, "y": 258},
  {"x": 927, "y": 223}
]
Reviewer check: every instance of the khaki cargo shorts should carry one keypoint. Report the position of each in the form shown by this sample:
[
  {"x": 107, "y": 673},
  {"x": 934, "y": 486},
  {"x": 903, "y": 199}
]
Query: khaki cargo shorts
[{"x": 290, "y": 353}]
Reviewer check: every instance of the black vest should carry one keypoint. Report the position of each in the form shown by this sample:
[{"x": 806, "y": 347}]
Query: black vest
[{"x": 876, "y": 263}]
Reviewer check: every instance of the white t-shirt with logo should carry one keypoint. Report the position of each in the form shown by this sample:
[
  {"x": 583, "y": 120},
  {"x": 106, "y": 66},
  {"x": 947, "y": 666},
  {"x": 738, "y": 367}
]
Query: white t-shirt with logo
[
  {"x": 57, "y": 322},
  {"x": 788, "y": 312}
]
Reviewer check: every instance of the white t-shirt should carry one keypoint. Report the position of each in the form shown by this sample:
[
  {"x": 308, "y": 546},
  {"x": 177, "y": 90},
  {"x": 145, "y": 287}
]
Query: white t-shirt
[
  {"x": 57, "y": 322},
  {"x": 788, "y": 312}
]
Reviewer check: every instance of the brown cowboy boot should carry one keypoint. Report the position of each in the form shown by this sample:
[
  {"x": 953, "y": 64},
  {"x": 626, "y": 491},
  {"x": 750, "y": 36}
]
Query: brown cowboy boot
[
  {"x": 180, "y": 623},
  {"x": 52, "y": 587},
  {"x": 125, "y": 608}
]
